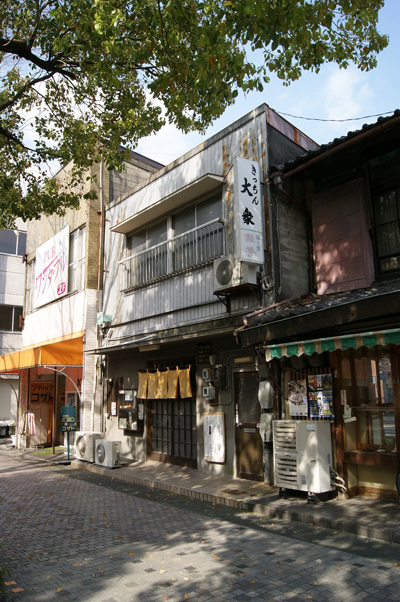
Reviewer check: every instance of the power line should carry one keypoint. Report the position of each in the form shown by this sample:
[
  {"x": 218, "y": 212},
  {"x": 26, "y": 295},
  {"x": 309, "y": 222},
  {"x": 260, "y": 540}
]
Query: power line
[{"x": 333, "y": 120}]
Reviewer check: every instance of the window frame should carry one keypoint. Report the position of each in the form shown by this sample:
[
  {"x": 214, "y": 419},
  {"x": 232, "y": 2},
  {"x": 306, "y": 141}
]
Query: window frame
[
  {"x": 17, "y": 233},
  {"x": 362, "y": 431},
  {"x": 14, "y": 318},
  {"x": 77, "y": 266},
  {"x": 164, "y": 258},
  {"x": 379, "y": 258}
]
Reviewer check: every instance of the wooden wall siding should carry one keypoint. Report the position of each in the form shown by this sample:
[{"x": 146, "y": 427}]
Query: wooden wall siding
[
  {"x": 342, "y": 245},
  {"x": 293, "y": 250}
]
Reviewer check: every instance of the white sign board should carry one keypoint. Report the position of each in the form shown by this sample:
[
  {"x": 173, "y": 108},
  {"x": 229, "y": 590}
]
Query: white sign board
[
  {"x": 51, "y": 270},
  {"x": 214, "y": 436},
  {"x": 248, "y": 211}
]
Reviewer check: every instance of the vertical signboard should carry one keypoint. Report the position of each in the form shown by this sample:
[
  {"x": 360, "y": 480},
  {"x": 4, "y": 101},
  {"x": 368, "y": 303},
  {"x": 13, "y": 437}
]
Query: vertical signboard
[
  {"x": 51, "y": 270},
  {"x": 248, "y": 211},
  {"x": 214, "y": 436}
]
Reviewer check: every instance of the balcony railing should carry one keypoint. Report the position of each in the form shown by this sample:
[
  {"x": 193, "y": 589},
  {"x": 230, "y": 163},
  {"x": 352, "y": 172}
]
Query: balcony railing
[{"x": 190, "y": 249}]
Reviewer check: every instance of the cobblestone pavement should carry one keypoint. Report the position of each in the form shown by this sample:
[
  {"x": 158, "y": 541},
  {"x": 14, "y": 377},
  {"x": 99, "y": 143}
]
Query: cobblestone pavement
[{"x": 73, "y": 537}]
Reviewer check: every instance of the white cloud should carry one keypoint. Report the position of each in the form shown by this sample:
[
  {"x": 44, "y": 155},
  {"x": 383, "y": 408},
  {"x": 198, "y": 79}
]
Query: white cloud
[{"x": 346, "y": 94}]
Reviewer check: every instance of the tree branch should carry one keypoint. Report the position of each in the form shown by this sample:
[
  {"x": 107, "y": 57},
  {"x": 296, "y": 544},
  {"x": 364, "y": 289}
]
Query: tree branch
[
  {"x": 23, "y": 90},
  {"x": 23, "y": 50}
]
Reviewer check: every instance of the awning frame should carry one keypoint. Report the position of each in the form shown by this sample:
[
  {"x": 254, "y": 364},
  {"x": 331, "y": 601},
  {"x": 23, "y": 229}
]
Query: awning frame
[
  {"x": 67, "y": 352},
  {"x": 343, "y": 342}
]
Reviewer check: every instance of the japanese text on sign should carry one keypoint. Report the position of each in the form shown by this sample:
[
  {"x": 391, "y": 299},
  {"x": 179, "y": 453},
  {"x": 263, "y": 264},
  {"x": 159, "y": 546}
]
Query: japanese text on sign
[
  {"x": 249, "y": 238},
  {"x": 51, "y": 270},
  {"x": 41, "y": 392},
  {"x": 214, "y": 436}
]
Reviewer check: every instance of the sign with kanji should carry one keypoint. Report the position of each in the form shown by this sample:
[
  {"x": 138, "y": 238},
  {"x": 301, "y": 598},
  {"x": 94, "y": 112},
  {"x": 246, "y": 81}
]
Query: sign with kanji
[
  {"x": 51, "y": 268},
  {"x": 214, "y": 436},
  {"x": 41, "y": 392},
  {"x": 248, "y": 211}
]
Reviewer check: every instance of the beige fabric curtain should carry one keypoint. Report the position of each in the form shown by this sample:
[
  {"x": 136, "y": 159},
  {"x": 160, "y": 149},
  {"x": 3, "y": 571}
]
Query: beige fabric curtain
[
  {"x": 184, "y": 382},
  {"x": 152, "y": 385},
  {"x": 143, "y": 381},
  {"x": 164, "y": 384},
  {"x": 172, "y": 392},
  {"x": 162, "y": 389}
]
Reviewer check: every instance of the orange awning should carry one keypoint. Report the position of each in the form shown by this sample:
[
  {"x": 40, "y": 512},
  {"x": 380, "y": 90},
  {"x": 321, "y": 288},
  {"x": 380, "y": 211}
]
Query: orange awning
[{"x": 68, "y": 352}]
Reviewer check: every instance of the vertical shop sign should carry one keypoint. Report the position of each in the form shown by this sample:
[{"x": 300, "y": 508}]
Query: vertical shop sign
[
  {"x": 320, "y": 395},
  {"x": 51, "y": 269},
  {"x": 214, "y": 436},
  {"x": 248, "y": 211}
]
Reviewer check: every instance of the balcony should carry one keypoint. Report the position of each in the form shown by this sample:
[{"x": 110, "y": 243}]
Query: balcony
[{"x": 192, "y": 249}]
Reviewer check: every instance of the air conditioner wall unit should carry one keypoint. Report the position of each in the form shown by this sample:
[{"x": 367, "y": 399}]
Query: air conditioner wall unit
[
  {"x": 230, "y": 272},
  {"x": 85, "y": 445},
  {"x": 107, "y": 453}
]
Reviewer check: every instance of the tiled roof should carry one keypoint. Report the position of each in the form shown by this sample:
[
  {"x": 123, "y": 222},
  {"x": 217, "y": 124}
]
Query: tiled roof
[
  {"x": 306, "y": 304},
  {"x": 304, "y": 158}
]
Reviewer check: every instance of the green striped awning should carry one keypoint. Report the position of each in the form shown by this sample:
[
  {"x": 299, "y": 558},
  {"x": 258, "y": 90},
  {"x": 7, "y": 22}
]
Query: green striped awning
[{"x": 351, "y": 341}]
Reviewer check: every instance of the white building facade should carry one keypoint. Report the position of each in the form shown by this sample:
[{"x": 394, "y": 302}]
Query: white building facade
[{"x": 12, "y": 281}]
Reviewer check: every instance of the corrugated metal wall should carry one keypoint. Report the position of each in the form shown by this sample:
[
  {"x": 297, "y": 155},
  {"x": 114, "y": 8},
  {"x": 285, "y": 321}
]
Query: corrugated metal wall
[{"x": 188, "y": 297}]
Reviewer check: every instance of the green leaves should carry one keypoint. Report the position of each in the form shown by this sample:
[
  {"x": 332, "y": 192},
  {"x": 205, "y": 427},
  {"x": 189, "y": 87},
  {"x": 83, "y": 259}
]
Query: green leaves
[{"x": 84, "y": 77}]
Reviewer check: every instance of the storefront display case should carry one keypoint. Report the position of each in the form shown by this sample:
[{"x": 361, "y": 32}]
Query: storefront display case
[{"x": 130, "y": 411}]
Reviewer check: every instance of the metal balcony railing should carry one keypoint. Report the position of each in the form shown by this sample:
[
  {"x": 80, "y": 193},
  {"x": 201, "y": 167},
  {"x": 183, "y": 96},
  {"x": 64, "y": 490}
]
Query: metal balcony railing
[{"x": 192, "y": 248}]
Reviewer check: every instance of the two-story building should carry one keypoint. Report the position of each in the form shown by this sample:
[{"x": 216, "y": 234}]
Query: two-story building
[
  {"x": 334, "y": 349},
  {"x": 188, "y": 252},
  {"x": 63, "y": 303},
  {"x": 12, "y": 280}
]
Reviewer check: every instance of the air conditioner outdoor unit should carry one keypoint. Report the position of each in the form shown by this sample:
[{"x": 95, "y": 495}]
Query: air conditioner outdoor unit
[
  {"x": 107, "y": 453},
  {"x": 230, "y": 272},
  {"x": 303, "y": 455},
  {"x": 85, "y": 445}
]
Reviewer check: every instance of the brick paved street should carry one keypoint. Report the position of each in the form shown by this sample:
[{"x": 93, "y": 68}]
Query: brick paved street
[{"x": 69, "y": 536}]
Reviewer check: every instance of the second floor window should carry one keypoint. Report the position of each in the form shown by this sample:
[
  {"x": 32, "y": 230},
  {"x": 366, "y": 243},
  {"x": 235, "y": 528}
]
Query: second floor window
[
  {"x": 76, "y": 271},
  {"x": 192, "y": 237},
  {"x": 386, "y": 206},
  {"x": 12, "y": 242},
  {"x": 10, "y": 318}
]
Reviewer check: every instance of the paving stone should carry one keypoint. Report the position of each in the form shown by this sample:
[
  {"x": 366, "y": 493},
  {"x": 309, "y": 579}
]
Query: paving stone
[{"x": 99, "y": 544}]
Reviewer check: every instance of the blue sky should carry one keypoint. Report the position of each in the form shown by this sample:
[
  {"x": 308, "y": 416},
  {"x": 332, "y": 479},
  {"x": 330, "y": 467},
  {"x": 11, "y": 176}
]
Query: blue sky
[{"x": 331, "y": 94}]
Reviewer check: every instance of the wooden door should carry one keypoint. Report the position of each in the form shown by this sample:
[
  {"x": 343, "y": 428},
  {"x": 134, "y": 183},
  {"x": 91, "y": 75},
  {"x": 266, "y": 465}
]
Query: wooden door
[{"x": 249, "y": 445}]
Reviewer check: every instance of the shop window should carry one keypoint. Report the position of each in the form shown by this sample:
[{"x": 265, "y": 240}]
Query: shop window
[{"x": 369, "y": 411}]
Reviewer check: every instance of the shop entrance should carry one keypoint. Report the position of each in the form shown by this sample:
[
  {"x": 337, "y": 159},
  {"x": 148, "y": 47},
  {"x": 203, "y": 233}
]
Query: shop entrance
[
  {"x": 249, "y": 445},
  {"x": 171, "y": 423},
  {"x": 172, "y": 431}
]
